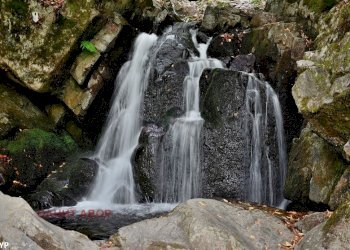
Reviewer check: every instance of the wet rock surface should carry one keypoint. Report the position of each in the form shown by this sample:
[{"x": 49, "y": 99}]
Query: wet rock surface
[{"x": 224, "y": 171}]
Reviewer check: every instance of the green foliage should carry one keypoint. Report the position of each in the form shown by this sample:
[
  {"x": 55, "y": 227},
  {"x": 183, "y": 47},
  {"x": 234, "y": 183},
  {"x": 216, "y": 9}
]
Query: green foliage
[
  {"x": 256, "y": 2},
  {"x": 319, "y": 6},
  {"x": 88, "y": 46}
]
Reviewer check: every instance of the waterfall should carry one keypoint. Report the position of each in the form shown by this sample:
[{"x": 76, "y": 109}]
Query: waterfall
[
  {"x": 180, "y": 164},
  {"x": 180, "y": 171},
  {"x": 115, "y": 181},
  {"x": 267, "y": 174}
]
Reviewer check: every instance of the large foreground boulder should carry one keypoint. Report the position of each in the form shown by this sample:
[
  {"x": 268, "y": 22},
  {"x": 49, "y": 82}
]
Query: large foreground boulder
[
  {"x": 23, "y": 229},
  {"x": 205, "y": 224}
]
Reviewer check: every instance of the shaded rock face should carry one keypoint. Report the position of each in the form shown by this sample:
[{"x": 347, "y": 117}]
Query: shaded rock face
[
  {"x": 306, "y": 13},
  {"x": 24, "y": 229},
  {"x": 65, "y": 186},
  {"x": 341, "y": 190},
  {"x": 314, "y": 171},
  {"x": 31, "y": 157},
  {"x": 225, "y": 17},
  {"x": 205, "y": 224}
]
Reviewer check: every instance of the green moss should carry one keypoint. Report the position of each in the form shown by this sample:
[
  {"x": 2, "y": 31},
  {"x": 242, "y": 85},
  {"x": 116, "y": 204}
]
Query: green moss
[
  {"x": 35, "y": 153},
  {"x": 334, "y": 127},
  {"x": 342, "y": 213},
  {"x": 41, "y": 142},
  {"x": 319, "y": 6},
  {"x": 18, "y": 7}
]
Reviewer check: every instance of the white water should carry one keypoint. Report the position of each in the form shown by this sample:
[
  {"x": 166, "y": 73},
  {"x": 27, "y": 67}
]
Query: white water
[
  {"x": 267, "y": 176},
  {"x": 115, "y": 181},
  {"x": 181, "y": 174}
]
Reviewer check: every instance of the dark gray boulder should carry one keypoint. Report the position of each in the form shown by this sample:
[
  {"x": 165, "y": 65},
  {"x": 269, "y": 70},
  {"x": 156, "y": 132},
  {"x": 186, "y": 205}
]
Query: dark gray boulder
[
  {"x": 65, "y": 186},
  {"x": 224, "y": 144}
]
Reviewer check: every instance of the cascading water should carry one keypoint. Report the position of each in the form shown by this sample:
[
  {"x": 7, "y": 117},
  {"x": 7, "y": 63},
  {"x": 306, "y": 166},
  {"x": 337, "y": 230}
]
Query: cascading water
[
  {"x": 115, "y": 181},
  {"x": 267, "y": 175},
  {"x": 180, "y": 172}
]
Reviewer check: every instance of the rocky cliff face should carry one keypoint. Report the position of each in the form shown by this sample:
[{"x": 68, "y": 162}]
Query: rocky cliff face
[
  {"x": 55, "y": 96},
  {"x": 321, "y": 93}
]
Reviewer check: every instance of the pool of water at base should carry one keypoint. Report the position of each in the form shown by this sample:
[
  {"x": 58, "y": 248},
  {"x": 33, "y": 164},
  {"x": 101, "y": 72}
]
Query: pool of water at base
[{"x": 99, "y": 221}]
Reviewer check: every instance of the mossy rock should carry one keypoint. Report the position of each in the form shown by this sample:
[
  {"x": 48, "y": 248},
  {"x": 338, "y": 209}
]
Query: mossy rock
[
  {"x": 332, "y": 234},
  {"x": 34, "y": 52},
  {"x": 33, "y": 154},
  {"x": 18, "y": 112},
  {"x": 324, "y": 102},
  {"x": 341, "y": 190},
  {"x": 341, "y": 214},
  {"x": 322, "y": 92},
  {"x": 319, "y": 6},
  {"x": 314, "y": 169}
]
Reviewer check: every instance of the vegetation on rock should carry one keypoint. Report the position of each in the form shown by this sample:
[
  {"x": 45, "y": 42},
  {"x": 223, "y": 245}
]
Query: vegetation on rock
[{"x": 33, "y": 154}]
